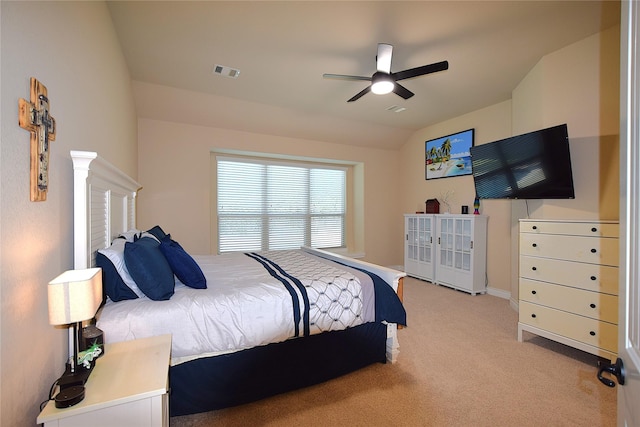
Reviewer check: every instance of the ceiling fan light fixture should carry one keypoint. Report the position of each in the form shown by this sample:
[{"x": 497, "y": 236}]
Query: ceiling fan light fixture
[{"x": 382, "y": 83}]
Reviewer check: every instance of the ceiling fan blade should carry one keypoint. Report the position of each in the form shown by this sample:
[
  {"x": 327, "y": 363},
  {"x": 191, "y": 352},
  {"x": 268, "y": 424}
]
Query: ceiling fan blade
[
  {"x": 383, "y": 59},
  {"x": 360, "y": 94},
  {"x": 402, "y": 91},
  {"x": 345, "y": 77},
  {"x": 420, "y": 71}
]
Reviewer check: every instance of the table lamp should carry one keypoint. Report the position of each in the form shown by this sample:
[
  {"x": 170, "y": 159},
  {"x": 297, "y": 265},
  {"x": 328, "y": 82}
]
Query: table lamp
[{"x": 74, "y": 297}]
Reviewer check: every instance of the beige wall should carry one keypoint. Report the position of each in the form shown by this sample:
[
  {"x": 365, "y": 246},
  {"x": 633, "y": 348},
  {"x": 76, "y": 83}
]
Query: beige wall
[
  {"x": 72, "y": 49},
  {"x": 577, "y": 85},
  {"x": 175, "y": 172},
  {"x": 490, "y": 124}
]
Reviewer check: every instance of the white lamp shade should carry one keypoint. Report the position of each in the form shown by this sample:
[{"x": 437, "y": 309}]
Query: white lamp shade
[{"x": 75, "y": 296}]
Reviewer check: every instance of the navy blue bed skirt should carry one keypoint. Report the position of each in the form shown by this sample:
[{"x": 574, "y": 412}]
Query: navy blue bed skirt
[{"x": 218, "y": 382}]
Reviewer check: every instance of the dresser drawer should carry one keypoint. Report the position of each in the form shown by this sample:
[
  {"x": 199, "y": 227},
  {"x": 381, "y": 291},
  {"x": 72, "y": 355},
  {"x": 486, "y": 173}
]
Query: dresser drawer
[
  {"x": 570, "y": 228},
  {"x": 593, "y": 250},
  {"x": 592, "y": 277},
  {"x": 585, "y": 303},
  {"x": 589, "y": 331}
]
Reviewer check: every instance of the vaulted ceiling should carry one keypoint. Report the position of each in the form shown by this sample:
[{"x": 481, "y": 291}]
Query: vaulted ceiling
[{"x": 283, "y": 48}]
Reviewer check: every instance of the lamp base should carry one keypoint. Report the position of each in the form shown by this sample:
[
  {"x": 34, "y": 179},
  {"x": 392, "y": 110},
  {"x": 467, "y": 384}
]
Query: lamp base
[
  {"x": 72, "y": 386},
  {"x": 69, "y": 396},
  {"x": 73, "y": 379}
]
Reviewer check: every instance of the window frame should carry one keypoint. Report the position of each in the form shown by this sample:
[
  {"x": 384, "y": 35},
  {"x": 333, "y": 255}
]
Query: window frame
[{"x": 306, "y": 164}]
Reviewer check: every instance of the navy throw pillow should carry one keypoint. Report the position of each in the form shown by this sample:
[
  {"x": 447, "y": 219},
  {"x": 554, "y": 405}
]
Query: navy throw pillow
[
  {"x": 182, "y": 264},
  {"x": 158, "y": 232},
  {"x": 112, "y": 283},
  {"x": 149, "y": 268}
]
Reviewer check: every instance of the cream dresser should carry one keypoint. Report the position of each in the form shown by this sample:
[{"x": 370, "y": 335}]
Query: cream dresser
[{"x": 569, "y": 283}]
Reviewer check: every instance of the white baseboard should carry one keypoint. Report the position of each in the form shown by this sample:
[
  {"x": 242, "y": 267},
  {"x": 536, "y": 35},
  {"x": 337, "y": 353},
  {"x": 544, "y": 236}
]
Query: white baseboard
[{"x": 500, "y": 293}]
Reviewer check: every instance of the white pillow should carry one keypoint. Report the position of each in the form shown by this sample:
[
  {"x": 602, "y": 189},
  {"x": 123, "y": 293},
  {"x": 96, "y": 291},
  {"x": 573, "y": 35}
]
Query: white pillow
[{"x": 115, "y": 253}]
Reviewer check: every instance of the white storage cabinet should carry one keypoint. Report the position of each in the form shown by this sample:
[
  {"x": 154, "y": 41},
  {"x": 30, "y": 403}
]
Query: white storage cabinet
[{"x": 448, "y": 250}]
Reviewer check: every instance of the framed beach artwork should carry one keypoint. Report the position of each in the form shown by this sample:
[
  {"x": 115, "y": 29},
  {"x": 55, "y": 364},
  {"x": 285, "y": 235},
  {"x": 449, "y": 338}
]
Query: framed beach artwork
[{"x": 449, "y": 155}]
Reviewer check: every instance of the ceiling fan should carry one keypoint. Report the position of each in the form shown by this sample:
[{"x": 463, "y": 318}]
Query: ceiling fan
[{"x": 383, "y": 80}]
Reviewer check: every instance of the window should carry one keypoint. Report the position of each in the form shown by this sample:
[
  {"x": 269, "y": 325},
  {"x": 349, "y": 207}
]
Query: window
[{"x": 268, "y": 205}]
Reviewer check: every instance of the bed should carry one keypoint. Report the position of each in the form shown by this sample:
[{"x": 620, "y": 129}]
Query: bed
[{"x": 291, "y": 318}]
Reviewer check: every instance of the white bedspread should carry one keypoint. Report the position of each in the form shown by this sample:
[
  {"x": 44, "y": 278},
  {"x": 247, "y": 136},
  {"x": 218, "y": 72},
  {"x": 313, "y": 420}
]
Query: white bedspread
[{"x": 244, "y": 306}]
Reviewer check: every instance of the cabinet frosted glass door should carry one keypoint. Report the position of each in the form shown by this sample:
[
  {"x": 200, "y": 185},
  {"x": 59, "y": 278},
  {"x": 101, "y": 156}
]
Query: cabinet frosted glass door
[
  {"x": 454, "y": 258},
  {"x": 424, "y": 239},
  {"x": 445, "y": 240},
  {"x": 412, "y": 238},
  {"x": 462, "y": 252},
  {"x": 419, "y": 246}
]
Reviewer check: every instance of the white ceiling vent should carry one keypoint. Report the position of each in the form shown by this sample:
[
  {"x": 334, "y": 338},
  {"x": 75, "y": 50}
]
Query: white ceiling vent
[
  {"x": 225, "y": 71},
  {"x": 396, "y": 109}
]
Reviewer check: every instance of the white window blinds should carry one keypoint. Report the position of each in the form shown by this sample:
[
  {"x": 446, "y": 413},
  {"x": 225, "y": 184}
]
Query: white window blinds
[{"x": 264, "y": 205}]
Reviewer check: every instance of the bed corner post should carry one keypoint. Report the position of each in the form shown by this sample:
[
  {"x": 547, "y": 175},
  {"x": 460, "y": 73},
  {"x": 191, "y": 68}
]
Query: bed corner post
[
  {"x": 400, "y": 292},
  {"x": 81, "y": 161},
  {"x": 393, "y": 347}
]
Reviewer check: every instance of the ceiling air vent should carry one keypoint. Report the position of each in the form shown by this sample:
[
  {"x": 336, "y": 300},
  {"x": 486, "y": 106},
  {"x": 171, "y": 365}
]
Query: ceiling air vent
[
  {"x": 396, "y": 109},
  {"x": 225, "y": 71}
]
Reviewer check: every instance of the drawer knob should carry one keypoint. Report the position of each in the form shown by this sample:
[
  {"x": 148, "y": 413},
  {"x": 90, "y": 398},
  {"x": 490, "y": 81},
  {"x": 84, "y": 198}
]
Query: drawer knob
[
  {"x": 592, "y": 333},
  {"x": 593, "y": 251},
  {"x": 592, "y": 305},
  {"x": 533, "y": 315},
  {"x": 594, "y": 229},
  {"x": 535, "y": 227},
  {"x": 534, "y": 292},
  {"x": 593, "y": 277},
  {"x": 535, "y": 245},
  {"x": 534, "y": 268}
]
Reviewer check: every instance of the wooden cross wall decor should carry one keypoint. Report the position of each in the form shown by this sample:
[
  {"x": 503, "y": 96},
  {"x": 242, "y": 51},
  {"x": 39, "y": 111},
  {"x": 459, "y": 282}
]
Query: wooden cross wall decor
[{"x": 34, "y": 117}]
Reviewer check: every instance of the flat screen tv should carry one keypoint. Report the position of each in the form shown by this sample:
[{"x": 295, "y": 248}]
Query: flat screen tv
[{"x": 535, "y": 165}]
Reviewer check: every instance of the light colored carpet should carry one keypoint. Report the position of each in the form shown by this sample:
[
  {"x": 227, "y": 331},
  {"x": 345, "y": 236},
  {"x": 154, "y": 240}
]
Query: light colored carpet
[{"x": 460, "y": 364}]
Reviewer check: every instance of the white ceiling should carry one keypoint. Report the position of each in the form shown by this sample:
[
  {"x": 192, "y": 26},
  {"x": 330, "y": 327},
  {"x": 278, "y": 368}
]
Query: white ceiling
[{"x": 283, "y": 48}]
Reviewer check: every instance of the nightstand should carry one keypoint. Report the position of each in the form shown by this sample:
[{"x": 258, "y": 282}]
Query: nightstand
[{"x": 128, "y": 387}]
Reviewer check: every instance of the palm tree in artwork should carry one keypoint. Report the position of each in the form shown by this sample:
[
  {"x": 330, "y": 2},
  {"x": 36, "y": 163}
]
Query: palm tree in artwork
[
  {"x": 433, "y": 152},
  {"x": 446, "y": 148}
]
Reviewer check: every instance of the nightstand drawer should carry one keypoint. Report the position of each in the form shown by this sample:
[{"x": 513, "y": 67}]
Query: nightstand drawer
[
  {"x": 589, "y": 331},
  {"x": 585, "y": 303},
  {"x": 592, "y": 250},
  {"x": 592, "y": 277},
  {"x": 570, "y": 228}
]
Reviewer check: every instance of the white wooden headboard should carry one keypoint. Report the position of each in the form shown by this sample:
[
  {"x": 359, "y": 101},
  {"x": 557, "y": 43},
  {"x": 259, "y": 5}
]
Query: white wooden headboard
[{"x": 104, "y": 205}]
